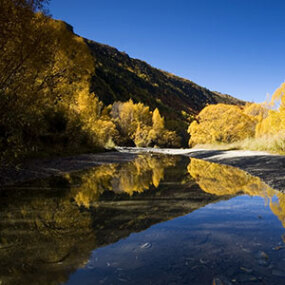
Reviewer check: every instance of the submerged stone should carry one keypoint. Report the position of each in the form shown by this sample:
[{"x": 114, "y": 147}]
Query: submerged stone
[{"x": 146, "y": 245}]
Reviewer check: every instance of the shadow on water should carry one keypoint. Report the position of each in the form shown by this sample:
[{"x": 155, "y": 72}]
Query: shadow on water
[{"x": 51, "y": 228}]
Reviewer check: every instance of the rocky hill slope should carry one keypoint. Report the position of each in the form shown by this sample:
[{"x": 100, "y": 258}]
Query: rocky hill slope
[{"x": 119, "y": 77}]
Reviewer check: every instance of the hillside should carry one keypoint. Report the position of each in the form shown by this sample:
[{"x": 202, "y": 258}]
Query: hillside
[
  {"x": 54, "y": 100},
  {"x": 119, "y": 77}
]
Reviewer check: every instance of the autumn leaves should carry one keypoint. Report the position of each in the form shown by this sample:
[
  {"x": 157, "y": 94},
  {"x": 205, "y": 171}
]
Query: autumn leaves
[
  {"x": 254, "y": 126},
  {"x": 46, "y": 106}
]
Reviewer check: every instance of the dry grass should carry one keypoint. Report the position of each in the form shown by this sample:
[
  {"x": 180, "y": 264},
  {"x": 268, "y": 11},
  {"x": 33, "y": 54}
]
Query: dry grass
[{"x": 273, "y": 144}]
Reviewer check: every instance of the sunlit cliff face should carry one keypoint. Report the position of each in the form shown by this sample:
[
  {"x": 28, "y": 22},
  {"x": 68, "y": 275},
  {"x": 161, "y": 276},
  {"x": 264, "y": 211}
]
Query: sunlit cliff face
[{"x": 221, "y": 180}]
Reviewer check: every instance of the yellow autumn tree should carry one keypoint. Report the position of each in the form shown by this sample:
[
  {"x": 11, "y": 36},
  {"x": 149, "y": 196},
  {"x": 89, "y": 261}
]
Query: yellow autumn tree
[
  {"x": 42, "y": 65},
  {"x": 45, "y": 105},
  {"x": 98, "y": 125},
  {"x": 270, "y": 125},
  {"x": 157, "y": 121},
  {"x": 129, "y": 115},
  {"x": 139, "y": 126},
  {"x": 45, "y": 71},
  {"x": 221, "y": 123},
  {"x": 274, "y": 123},
  {"x": 156, "y": 133},
  {"x": 159, "y": 135},
  {"x": 141, "y": 136},
  {"x": 259, "y": 111},
  {"x": 24, "y": 53}
]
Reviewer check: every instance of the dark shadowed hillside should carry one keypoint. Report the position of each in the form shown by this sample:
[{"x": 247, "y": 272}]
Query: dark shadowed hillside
[{"x": 118, "y": 78}]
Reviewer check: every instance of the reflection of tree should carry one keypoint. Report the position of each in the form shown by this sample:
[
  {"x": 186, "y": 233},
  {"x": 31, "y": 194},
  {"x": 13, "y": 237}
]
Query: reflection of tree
[
  {"x": 221, "y": 179},
  {"x": 45, "y": 235},
  {"x": 278, "y": 208},
  {"x": 143, "y": 172},
  {"x": 93, "y": 183},
  {"x": 40, "y": 232},
  {"x": 135, "y": 176}
]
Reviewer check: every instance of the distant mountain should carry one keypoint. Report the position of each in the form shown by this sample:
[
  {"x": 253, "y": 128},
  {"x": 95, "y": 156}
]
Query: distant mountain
[{"x": 119, "y": 77}]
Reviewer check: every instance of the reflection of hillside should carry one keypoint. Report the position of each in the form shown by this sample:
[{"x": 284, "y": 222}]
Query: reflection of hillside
[
  {"x": 135, "y": 176},
  {"x": 221, "y": 179},
  {"x": 41, "y": 232},
  {"x": 46, "y": 234}
]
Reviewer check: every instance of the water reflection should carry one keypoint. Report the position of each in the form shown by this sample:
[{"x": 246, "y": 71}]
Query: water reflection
[
  {"x": 49, "y": 227},
  {"x": 133, "y": 177},
  {"x": 52, "y": 228},
  {"x": 221, "y": 179}
]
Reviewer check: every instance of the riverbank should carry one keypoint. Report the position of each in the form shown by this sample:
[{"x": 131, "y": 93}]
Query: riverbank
[
  {"x": 270, "y": 168},
  {"x": 42, "y": 168}
]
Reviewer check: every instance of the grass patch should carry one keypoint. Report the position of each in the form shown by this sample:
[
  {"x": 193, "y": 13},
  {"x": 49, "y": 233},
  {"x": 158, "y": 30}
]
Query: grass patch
[{"x": 271, "y": 143}]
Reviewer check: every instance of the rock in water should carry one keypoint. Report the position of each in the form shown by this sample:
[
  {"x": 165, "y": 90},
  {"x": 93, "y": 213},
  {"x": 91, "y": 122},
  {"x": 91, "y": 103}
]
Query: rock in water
[{"x": 146, "y": 245}]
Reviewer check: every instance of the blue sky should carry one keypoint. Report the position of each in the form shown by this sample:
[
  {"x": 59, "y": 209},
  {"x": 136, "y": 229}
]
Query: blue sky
[{"x": 232, "y": 46}]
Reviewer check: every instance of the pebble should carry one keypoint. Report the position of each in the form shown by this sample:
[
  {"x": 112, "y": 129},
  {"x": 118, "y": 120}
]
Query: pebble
[
  {"x": 245, "y": 250},
  {"x": 204, "y": 260},
  {"x": 146, "y": 245},
  {"x": 248, "y": 270}
]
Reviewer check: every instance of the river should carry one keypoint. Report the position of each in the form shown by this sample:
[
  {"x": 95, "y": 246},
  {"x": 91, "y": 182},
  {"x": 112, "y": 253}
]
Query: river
[{"x": 149, "y": 219}]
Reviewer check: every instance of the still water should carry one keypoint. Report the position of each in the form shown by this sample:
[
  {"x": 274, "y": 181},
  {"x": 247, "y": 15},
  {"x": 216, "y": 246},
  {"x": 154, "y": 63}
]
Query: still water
[{"x": 154, "y": 220}]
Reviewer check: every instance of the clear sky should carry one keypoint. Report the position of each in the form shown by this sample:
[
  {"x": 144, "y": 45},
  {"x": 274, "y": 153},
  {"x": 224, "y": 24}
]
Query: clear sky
[{"x": 232, "y": 46}]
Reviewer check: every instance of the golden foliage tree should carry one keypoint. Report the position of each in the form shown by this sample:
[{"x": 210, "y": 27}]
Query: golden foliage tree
[
  {"x": 157, "y": 131},
  {"x": 95, "y": 121},
  {"x": 259, "y": 111},
  {"x": 45, "y": 105},
  {"x": 129, "y": 116},
  {"x": 45, "y": 71},
  {"x": 221, "y": 123},
  {"x": 42, "y": 65},
  {"x": 274, "y": 123},
  {"x": 137, "y": 124}
]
